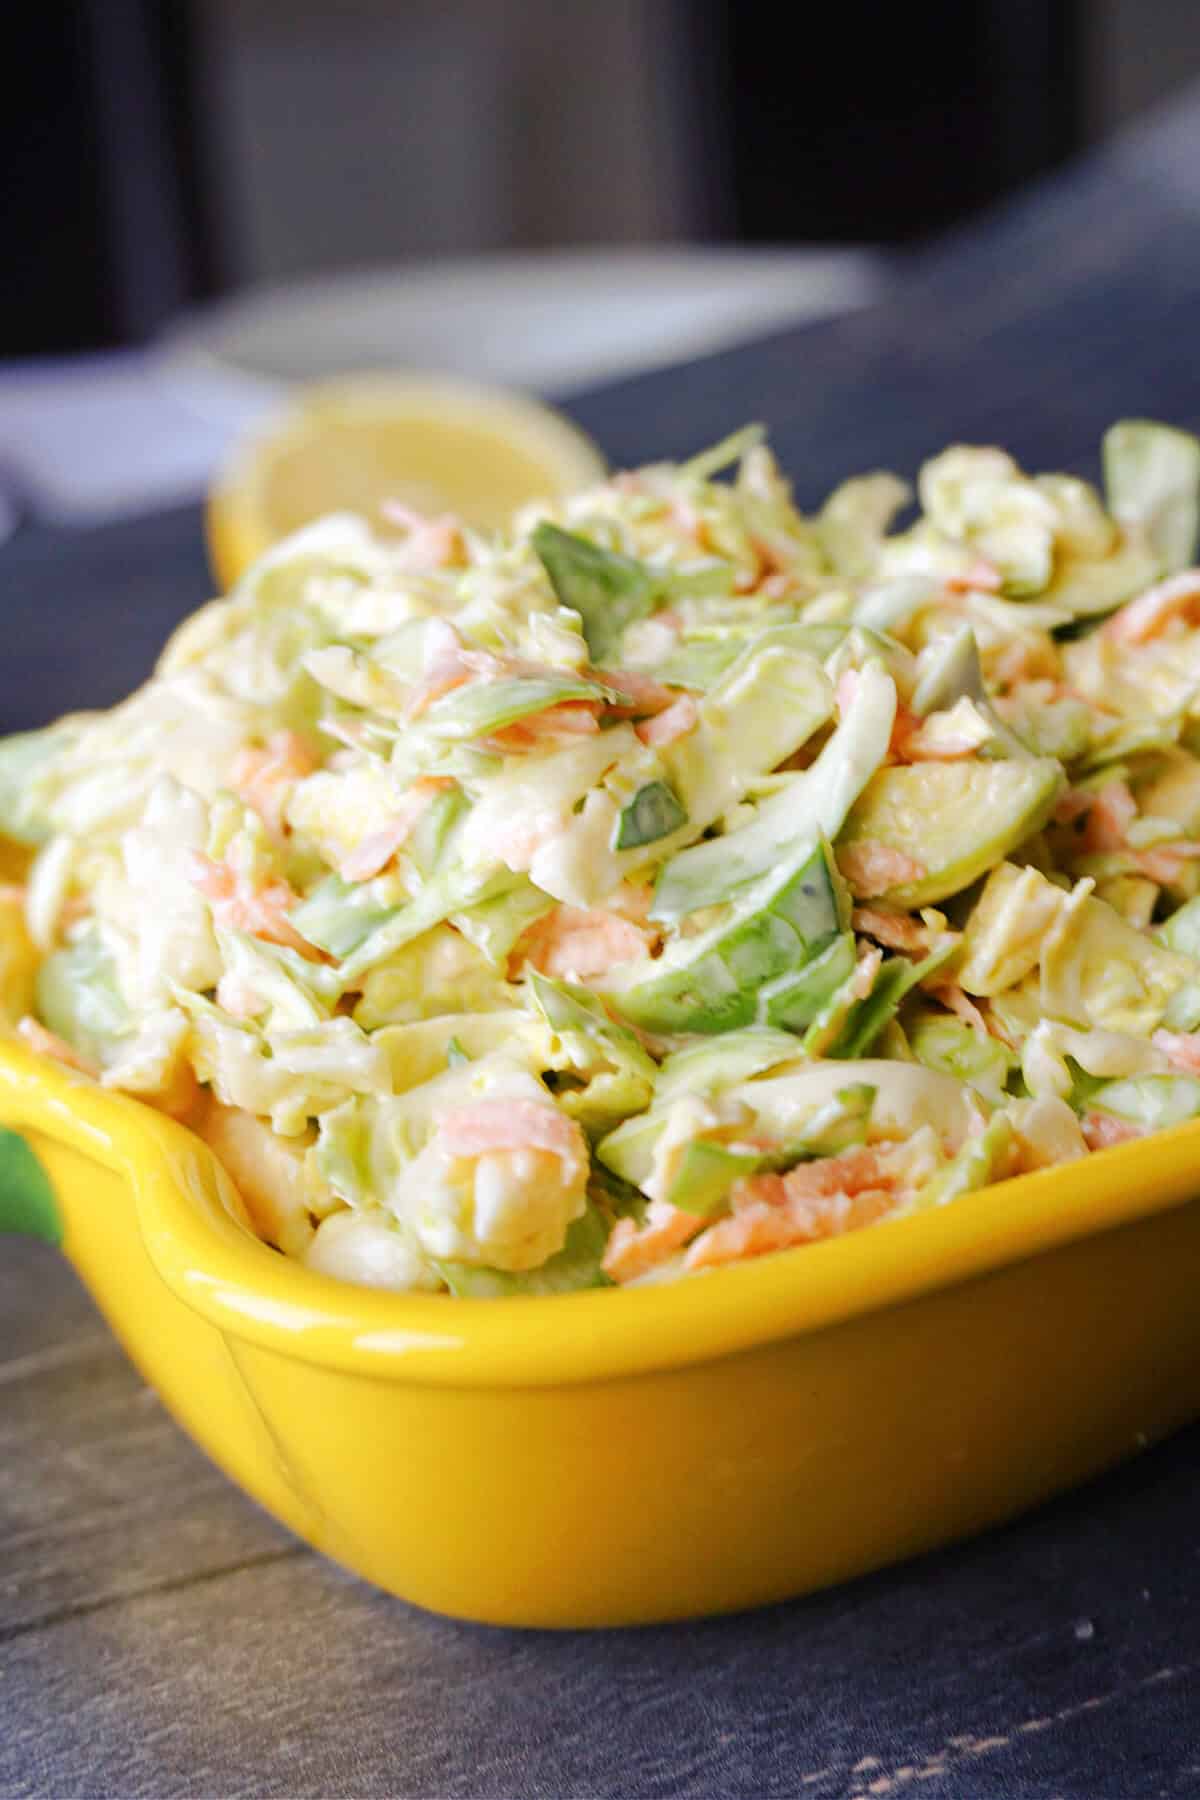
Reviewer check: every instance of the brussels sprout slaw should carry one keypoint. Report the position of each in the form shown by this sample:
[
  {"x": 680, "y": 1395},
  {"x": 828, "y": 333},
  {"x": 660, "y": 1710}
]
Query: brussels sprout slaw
[{"x": 674, "y": 879}]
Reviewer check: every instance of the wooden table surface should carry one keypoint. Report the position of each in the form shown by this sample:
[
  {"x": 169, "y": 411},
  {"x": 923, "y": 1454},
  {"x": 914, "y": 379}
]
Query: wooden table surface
[{"x": 160, "y": 1636}]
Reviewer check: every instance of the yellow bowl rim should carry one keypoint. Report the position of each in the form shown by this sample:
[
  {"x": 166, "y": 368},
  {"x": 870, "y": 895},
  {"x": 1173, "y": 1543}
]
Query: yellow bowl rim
[{"x": 187, "y": 1213}]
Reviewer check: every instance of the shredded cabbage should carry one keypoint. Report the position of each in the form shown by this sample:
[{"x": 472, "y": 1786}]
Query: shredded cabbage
[{"x": 521, "y": 914}]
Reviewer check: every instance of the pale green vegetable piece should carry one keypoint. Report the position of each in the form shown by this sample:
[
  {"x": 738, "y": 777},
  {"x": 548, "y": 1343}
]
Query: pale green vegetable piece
[
  {"x": 337, "y": 915},
  {"x": 891, "y": 604},
  {"x": 1133, "y": 896},
  {"x": 628, "y": 1151},
  {"x": 946, "y": 1044},
  {"x": 699, "y": 663},
  {"x": 607, "y": 590},
  {"x": 567, "y": 1007},
  {"x": 1058, "y": 1059},
  {"x": 706, "y": 1172},
  {"x": 451, "y": 890},
  {"x": 1152, "y": 480},
  {"x": 418, "y": 1052},
  {"x": 654, "y": 813},
  {"x": 951, "y": 821},
  {"x": 949, "y": 670},
  {"x": 430, "y": 837},
  {"x": 291, "y": 991},
  {"x": 978, "y": 496},
  {"x": 531, "y": 797},
  {"x": 974, "y": 1166},
  {"x": 707, "y": 463},
  {"x": 765, "y": 707},
  {"x": 575, "y": 1267},
  {"x": 855, "y": 519},
  {"x": 710, "y": 1065},
  {"x": 1183, "y": 1008},
  {"x": 796, "y": 999},
  {"x": 711, "y": 982},
  {"x": 1160, "y": 681},
  {"x": 785, "y": 827},
  {"x": 366, "y": 1145},
  {"x": 1007, "y": 928},
  {"x": 1181, "y": 931},
  {"x": 482, "y": 707},
  {"x": 1088, "y": 586},
  {"x": 1173, "y": 791},
  {"x": 442, "y": 971},
  {"x": 1154, "y": 1102},
  {"x": 1094, "y": 968},
  {"x": 1097, "y": 969},
  {"x": 896, "y": 978},
  {"x": 495, "y": 925},
  {"x": 23, "y": 757},
  {"x": 1058, "y": 728},
  {"x": 288, "y": 1076},
  {"x": 77, "y": 996},
  {"x": 1082, "y": 526},
  {"x": 616, "y": 1073}
]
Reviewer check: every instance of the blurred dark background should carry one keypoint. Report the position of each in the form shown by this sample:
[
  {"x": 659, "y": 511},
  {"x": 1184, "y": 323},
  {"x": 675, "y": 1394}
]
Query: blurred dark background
[{"x": 160, "y": 152}]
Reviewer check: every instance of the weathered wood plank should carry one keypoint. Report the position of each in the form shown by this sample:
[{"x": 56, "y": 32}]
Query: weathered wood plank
[
  {"x": 101, "y": 1496},
  {"x": 1060, "y": 1656}
]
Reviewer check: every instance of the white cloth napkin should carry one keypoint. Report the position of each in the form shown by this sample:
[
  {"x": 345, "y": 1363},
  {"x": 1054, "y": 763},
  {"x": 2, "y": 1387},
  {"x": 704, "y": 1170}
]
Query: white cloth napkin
[{"x": 107, "y": 436}]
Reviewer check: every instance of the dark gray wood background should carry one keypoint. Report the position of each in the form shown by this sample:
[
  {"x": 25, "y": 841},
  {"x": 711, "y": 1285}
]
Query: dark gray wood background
[{"x": 160, "y": 1636}]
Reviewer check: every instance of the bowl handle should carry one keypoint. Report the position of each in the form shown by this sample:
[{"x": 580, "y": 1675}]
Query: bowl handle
[{"x": 27, "y": 1200}]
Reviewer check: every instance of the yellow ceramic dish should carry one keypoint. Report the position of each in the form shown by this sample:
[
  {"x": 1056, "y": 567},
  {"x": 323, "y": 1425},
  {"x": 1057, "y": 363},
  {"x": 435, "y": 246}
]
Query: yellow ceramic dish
[{"x": 614, "y": 1457}]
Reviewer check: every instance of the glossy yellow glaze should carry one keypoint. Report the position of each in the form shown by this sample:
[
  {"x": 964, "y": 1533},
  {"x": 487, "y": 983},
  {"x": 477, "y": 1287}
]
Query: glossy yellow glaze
[{"x": 613, "y": 1457}]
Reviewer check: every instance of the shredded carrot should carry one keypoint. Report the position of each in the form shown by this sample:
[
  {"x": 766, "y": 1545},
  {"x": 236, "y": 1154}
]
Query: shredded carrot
[
  {"x": 373, "y": 854},
  {"x": 260, "y": 911},
  {"x": 1148, "y": 616},
  {"x": 872, "y": 869},
  {"x": 634, "y": 1250},
  {"x": 667, "y": 726},
  {"x": 264, "y": 776},
  {"x": 576, "y": 943},
  {"x": 48, "y": 1043},
  {"x": 1101, "y": 1131}
]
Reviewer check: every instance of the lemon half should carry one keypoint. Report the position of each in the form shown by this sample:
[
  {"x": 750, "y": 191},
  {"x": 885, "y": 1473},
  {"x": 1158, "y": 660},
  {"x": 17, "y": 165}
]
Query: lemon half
[{"x": 434, "y": 444}]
